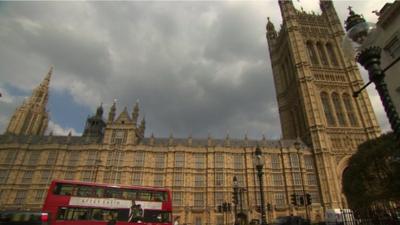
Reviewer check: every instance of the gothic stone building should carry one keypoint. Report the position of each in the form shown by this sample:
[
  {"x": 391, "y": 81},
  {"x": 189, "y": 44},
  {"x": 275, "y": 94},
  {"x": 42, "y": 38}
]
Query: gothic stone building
[{"x": 321, "y": 124}]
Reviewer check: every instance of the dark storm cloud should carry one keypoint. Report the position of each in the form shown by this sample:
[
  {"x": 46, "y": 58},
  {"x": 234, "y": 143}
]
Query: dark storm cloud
[{"x": 197, "y": 68}]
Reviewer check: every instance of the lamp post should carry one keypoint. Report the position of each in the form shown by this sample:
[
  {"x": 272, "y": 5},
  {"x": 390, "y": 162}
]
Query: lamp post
[
  {"x": 297, "y": 145},
  {"x": 259, "y": 166},
  {"x": 362, "y": 34},
  {"x": 235, "y": 196}
]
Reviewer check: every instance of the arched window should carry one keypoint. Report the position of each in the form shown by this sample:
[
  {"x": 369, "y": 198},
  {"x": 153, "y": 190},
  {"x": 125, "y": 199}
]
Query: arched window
[
  {"x": 322, "y": 54},
  {"x": 339, "y": 109},
  {"x": 349, "y": 108},
  {"x": 327, "y": 109},
  {"x": 331, "y": 53},
  {"x": 311, "y": 53}
]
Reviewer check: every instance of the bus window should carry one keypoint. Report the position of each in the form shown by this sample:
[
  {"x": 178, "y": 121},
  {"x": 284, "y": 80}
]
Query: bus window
[
  {"x": 129, "y": 194},
  {"x": 97, "y": 214},
  {"x": 156, "y": 216},
  {"x": 99, "y": 192},
  {"x": 63, "y": 189},
  {"x": 158, "y": 196},
  {"x": 112, "y": 193},
  {"x": 84, "y": 191},
  {"x": 73, "y": 214},
  {"x": 145, "y": 195}
]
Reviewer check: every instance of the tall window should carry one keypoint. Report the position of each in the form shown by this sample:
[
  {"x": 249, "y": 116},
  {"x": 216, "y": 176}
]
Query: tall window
[
  {"x": 349, "y": 108},
  {"x": 238, "y": 161},
  {"x": 3, "y": 176},
  {"x": 327, "y": 109},
  {"x": 275, "y": 161},
  {"x": 219, "y": 220},
  {"x": 179, "y": 159},
  {"x": 198, "y": 199},
  {"x": 311, "y": 53},
  {"x": 219, "y": 179},
  {"x": 39, "y": 195},
  {"x": 159, "y": 161},
  {"x": 11, "y": 155},
  {"x": 45, "y": 176},
  {"x": 69, "y": 175},
  {"x": 73, "y": 158},
  {"x": 52, "y": 157},
  {"x": 339, "y": 109},
  {"x": 199, "y": 160},
  {"x": 331, "y": 53},
  {"x": 118, "y": 137},
  {"x": 178, "y": 179},
  {"x": 322, "y": 54},
  {"x": 277, "y": 179},
  {"x": 91, "y": 159},
  {"x": 86, "y": 176},
  {"x": 139, "y": 159},
  {"x": 219, "y": 160},
  {"x": 199, "y": 180},
  {"x": 219, "y": 197},
  {"x": 137, "y": 177},
  {"x": 279, "y": 200},
  {"x": 34, "y": 157},
  {"x": 158, "y": 179},
  {"x": 177, "y": 198},
  {"x": 197, "y": 221},
  {"x": 312, "y": 179},
  {"x": 20, "y": 197},
  {"x": 27, "y": 177},
  {"x": 297, "y": 178},
  {"x": 294, "y": 160},
  {"x": 309, "y": 161}
]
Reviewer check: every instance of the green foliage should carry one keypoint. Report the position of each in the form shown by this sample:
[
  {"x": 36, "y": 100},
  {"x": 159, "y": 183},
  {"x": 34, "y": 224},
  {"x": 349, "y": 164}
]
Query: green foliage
[{"x": 372, "y": 174}]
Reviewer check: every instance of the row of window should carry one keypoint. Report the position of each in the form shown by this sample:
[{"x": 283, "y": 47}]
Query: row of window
[
  {"x": 343, "y": 113},
  {"x": 326, "y": 54},
  {"x": 279, "y": 198},
  {"x": 116, "y": 158}
]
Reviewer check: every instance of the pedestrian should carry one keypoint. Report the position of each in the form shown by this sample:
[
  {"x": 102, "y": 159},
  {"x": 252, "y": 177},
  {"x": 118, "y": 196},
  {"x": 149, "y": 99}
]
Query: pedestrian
[
  {"x": 176, "y": 221},
  {"x": 112, "y": 219}
]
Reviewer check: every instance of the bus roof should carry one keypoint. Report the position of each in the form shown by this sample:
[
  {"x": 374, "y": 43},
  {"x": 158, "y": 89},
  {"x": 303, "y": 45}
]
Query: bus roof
[{"x": 110, "y": 185}]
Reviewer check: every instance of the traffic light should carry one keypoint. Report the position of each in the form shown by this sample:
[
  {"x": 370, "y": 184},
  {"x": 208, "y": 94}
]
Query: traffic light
[
  {"x": 301, "y": 200},
  {"x": 293, "y": 199},
  {"x": 308, "y": 199}
]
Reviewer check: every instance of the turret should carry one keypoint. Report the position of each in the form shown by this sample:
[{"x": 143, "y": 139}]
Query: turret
[
  {"x": 271, "y": 32},
  {"x": 111, "y": 114}
]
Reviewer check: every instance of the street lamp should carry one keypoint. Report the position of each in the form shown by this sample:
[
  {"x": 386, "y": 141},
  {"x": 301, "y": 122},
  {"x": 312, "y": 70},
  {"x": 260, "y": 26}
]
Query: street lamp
[
  {"x": 235, "y": 196},
  {"x": 362, "y": 35},
  {"x": 297, "y": 146},
  {"x": 259, "y": 166}
]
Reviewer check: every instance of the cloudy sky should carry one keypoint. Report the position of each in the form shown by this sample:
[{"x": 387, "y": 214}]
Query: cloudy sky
[{"x": 196, "y": 67}]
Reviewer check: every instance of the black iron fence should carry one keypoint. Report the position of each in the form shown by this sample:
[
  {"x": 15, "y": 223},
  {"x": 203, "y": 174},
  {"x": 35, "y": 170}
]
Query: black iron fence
[{"x": 378, "y": 214}]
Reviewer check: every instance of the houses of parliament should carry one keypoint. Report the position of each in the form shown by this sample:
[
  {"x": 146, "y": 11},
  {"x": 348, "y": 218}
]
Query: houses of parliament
[{"x": 322, "y": 125}]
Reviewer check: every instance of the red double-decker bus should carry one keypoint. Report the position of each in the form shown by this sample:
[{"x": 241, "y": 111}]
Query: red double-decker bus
[{"x": 76, "y": 203}]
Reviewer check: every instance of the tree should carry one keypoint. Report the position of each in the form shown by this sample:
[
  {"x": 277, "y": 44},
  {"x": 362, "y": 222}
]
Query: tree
[{"x": 372, "y": 174}]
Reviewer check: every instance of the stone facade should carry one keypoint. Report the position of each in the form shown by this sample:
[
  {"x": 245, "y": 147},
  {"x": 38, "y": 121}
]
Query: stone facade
[
  {"x": 314, "y": 83},
  {"x": 322, "y": 126}
]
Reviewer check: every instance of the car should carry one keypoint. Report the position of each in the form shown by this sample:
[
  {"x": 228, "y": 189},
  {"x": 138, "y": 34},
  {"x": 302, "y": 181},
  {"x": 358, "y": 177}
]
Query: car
[
  {"x": 290, "y": 220},
  {"x": 23, "y": 218}
]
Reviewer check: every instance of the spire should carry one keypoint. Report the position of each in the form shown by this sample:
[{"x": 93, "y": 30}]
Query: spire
[
  {"x": 171, "y": 139},
  {"x": 227, "y": 139},
  {"x": 271, "y": 32},
  {"x": 111, "y": 114},
  {"x": 135, "y": 112},
  {"x": 99, "y": 111},
  {"x": 31, "y": 118},
  {"x": 142, "y": 127}
]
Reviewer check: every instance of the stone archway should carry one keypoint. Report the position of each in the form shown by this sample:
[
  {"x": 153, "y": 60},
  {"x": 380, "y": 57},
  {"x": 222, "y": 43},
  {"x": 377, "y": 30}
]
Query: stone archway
[{"x": 340, "y": 170}]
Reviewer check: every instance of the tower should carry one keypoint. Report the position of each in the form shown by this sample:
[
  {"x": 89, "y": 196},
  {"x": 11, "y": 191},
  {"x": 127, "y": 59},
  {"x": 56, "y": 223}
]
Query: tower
[
  {"x": 95, "y": 125},
  {"x": 31, "y": 117},
  {"x": 314, "y": 83}
]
